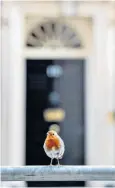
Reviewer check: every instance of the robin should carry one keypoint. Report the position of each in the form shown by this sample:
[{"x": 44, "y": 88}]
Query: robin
[{"x": 54, "y": 146}]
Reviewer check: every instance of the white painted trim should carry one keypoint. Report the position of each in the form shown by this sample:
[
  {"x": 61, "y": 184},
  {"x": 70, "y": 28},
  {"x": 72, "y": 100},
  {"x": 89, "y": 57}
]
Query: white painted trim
[
  {"x": 16, "y": 82},
  {"x": 57, "y": 54},
  {"x": 111, "y": 65}
]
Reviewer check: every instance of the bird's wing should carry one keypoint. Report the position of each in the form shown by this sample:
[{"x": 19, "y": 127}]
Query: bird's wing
[
  {"x": 62, "y": 150},
  {"x": 48, "y": 153},
  {"x": 45, "y": 148}
]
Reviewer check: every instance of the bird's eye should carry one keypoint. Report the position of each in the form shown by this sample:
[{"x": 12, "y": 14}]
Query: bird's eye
[{"x": 53, "y": 134}]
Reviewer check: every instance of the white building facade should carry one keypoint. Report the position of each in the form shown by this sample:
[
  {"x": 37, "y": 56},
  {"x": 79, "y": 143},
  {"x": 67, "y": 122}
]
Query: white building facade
[{"x": 95, "y": 21}]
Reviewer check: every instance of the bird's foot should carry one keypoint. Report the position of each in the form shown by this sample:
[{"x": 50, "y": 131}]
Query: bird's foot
[{"x": 59, "y": 165}]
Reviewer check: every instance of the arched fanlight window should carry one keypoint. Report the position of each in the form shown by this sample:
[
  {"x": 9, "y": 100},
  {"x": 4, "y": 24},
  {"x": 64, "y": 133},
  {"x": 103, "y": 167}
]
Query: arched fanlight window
[{"x": 53, "y": 34}]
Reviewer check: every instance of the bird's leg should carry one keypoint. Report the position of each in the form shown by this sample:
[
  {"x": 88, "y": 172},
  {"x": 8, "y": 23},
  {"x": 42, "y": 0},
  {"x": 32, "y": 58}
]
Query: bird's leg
[
  {"x": 58, "y": 162},
  {"x": 51, "y": 162}
]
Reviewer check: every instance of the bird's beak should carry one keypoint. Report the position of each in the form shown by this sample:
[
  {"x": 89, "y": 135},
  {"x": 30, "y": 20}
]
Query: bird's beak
[{"x": 49, "y": 134}]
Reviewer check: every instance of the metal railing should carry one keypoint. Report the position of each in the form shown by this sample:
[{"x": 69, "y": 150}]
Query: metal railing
[{"x": 58, "y": 173}]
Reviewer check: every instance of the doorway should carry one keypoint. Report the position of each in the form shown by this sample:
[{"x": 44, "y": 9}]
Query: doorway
[{"x": 66, "y": 85}]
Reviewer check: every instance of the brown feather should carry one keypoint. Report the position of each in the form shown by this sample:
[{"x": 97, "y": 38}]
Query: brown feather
[{"x": 52, "y": 142}]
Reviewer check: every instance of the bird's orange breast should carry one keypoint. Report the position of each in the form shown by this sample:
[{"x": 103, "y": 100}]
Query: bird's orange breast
[{"x": 52, "y": 143}]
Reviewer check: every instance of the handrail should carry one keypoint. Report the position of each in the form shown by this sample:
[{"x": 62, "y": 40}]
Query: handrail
[{"x": 58, "y": 173}]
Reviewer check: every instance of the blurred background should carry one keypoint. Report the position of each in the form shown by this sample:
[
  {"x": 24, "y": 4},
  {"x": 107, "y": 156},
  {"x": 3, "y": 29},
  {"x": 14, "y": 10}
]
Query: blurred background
[{"x": 58, "y": 72}]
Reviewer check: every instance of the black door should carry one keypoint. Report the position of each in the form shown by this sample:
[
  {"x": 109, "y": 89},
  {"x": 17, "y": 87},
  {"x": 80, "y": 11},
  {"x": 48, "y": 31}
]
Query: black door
[{"x": 68, "y": 84}]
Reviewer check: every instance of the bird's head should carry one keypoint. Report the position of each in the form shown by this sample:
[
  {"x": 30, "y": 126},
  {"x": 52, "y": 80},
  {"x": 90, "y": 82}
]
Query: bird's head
[{"x": 51, "y": 134}]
